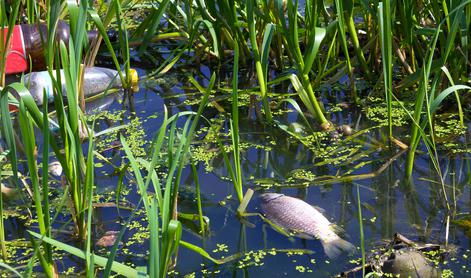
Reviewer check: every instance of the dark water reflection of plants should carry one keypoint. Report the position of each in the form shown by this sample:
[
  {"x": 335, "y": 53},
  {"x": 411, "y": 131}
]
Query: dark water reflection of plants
[
  {"x": 390, "y": 203},
  {"x": 274, "y": 161}
]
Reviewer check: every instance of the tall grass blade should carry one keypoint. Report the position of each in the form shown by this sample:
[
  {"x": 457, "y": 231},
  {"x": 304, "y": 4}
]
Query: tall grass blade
[
  {"x": 423, "y": 87},
  {"x": 5, "y": 37},
  {"x": 261, "y": 60},
  {"x": 343, "y": 41},
  {"x": 117, "y": 267},
  {"x": 385, "y": 19},
  {"x": 234, "y": 125},
  {"x": 88, "y": 188},
  {"x": 29, "y": 143},
  {"x": 151, "y": 26},
  {"x": 362, "y": 235}
]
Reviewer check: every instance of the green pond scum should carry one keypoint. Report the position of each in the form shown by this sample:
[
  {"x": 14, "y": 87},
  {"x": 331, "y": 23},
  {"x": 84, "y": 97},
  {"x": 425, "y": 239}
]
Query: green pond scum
[{"x": 360, "y": 109}]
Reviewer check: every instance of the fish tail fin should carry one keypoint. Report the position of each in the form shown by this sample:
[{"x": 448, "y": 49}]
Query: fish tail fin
[{"x": 335, "y": 247}]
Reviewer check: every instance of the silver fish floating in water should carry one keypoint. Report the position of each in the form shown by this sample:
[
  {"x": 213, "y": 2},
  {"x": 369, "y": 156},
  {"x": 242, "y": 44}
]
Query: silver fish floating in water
[
  {"x": 297, "y": 216},
  {"x": 55, "y": 168}
]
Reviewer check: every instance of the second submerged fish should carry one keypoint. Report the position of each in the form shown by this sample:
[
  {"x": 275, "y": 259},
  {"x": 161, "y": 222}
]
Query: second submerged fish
[{"x": 297, "y": 216}]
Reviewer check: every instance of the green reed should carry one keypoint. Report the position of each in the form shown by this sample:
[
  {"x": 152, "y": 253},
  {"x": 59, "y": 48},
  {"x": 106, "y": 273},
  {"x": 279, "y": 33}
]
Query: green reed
[
  {"x": 245, "y": 30},
  {"x": 385, "y": 19},
  {"x": 260, "y": 57},
  {"x": 78, "y": 170},
  {"x": 6, "y": 127},
  {"x": 117, "y": 267},
  {"x": 234, "y": 125},
  {"x": 223, "y": 16},
  {"x": 40, "y": 190},
  {"x": 252, "y": 24},
  {"x": 5, "y": 35},
  {"x": 199, "y": 204},
  {"x": 344, "y": 42},
  {"x": 428, "y": 92},
  {"x": 235, "y": 168},
  {"x": 348, "y": 12},
  {"x": 362, "y": 235},
  {"x": 160, "y": 251},
  {"x": 303, "y": 62},
  {"x": 161, "y": 210}
]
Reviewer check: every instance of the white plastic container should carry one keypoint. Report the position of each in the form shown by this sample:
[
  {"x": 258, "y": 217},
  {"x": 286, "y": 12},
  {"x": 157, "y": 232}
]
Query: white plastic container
[{"x": 95, "y": 81}]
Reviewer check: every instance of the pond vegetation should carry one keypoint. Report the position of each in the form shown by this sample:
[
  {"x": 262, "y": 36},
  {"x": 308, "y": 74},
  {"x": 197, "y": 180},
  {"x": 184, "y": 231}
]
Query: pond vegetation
[{"x": 359, "y": 108}]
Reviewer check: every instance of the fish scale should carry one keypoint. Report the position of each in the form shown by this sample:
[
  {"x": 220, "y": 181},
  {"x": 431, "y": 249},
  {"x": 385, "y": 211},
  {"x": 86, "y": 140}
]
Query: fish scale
[{"x": 295, "y": 215}]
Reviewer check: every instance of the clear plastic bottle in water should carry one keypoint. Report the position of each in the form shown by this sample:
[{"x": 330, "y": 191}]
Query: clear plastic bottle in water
[{"x": 95, "y": 81}]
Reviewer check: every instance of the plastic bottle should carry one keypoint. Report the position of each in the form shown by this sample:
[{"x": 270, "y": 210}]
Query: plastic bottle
[
  {"x": 101, "y": 103},
  {"x": 95, "y": 80},
  {"x": 27, "y": 41}
]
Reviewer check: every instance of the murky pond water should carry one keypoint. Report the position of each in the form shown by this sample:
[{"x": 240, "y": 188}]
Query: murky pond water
[{"x": 273, "y": 161}]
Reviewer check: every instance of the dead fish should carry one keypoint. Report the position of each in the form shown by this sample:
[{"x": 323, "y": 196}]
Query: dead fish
[
  {"x": 55, "y": 168},
  {"x": 297, "y": 216},
  {"x": 8, "y": 192},
  {"x": 108, "y": 239}
]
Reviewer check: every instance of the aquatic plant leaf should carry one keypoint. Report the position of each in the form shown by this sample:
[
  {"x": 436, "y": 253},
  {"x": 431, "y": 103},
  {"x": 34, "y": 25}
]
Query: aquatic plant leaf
[
  {"x": 114, "y": 249},
  {"x": 174, "y": 235},
  {"x": 101, "y": 28},
  {"x": 303, "y": 95},
  {"x": 362, "y": 234},
  {"x": 88, "y": 189},
  {"x": 267, "y": 38},
  {"x": 298, "y": 109},
  {"x": 439, "y": 99},
  {"x": 205, "y": 254},
  {"x": 245, "y": 201},
  {"x": 110, "y": 130},
  {"x": 99, "y": 260},
  {"x": 366, "y": 5},
  {"x": 7, "y": 130},
  {"x": 416, "y": 128},
  {"x": 202, "y": 219},
  {"x": 212, "y": 32},
  {"x": 10, "y": 269},
  {"x": 151, "y": 29},
  {"x": 385, "y": 18},
  {"x": 458, "y": 101},
  {"x": 312, "y": 48},
  {"x": 158, "y": 260},
  {"x": 204, "y": 10}
]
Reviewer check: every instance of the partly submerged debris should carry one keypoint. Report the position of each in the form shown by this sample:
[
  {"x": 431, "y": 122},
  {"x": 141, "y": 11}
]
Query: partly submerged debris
[
  {"x": 346, "y": 130},
  {"x": 400, "y": 258},
  {"x": 95, "y": 81},
  {"x": 408, "y": 262},
  {"x": 303, "y": 220}
]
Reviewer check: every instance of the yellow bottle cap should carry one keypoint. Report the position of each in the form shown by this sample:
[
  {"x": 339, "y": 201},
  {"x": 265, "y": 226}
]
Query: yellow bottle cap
[{"x": 134, "y": 79}]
